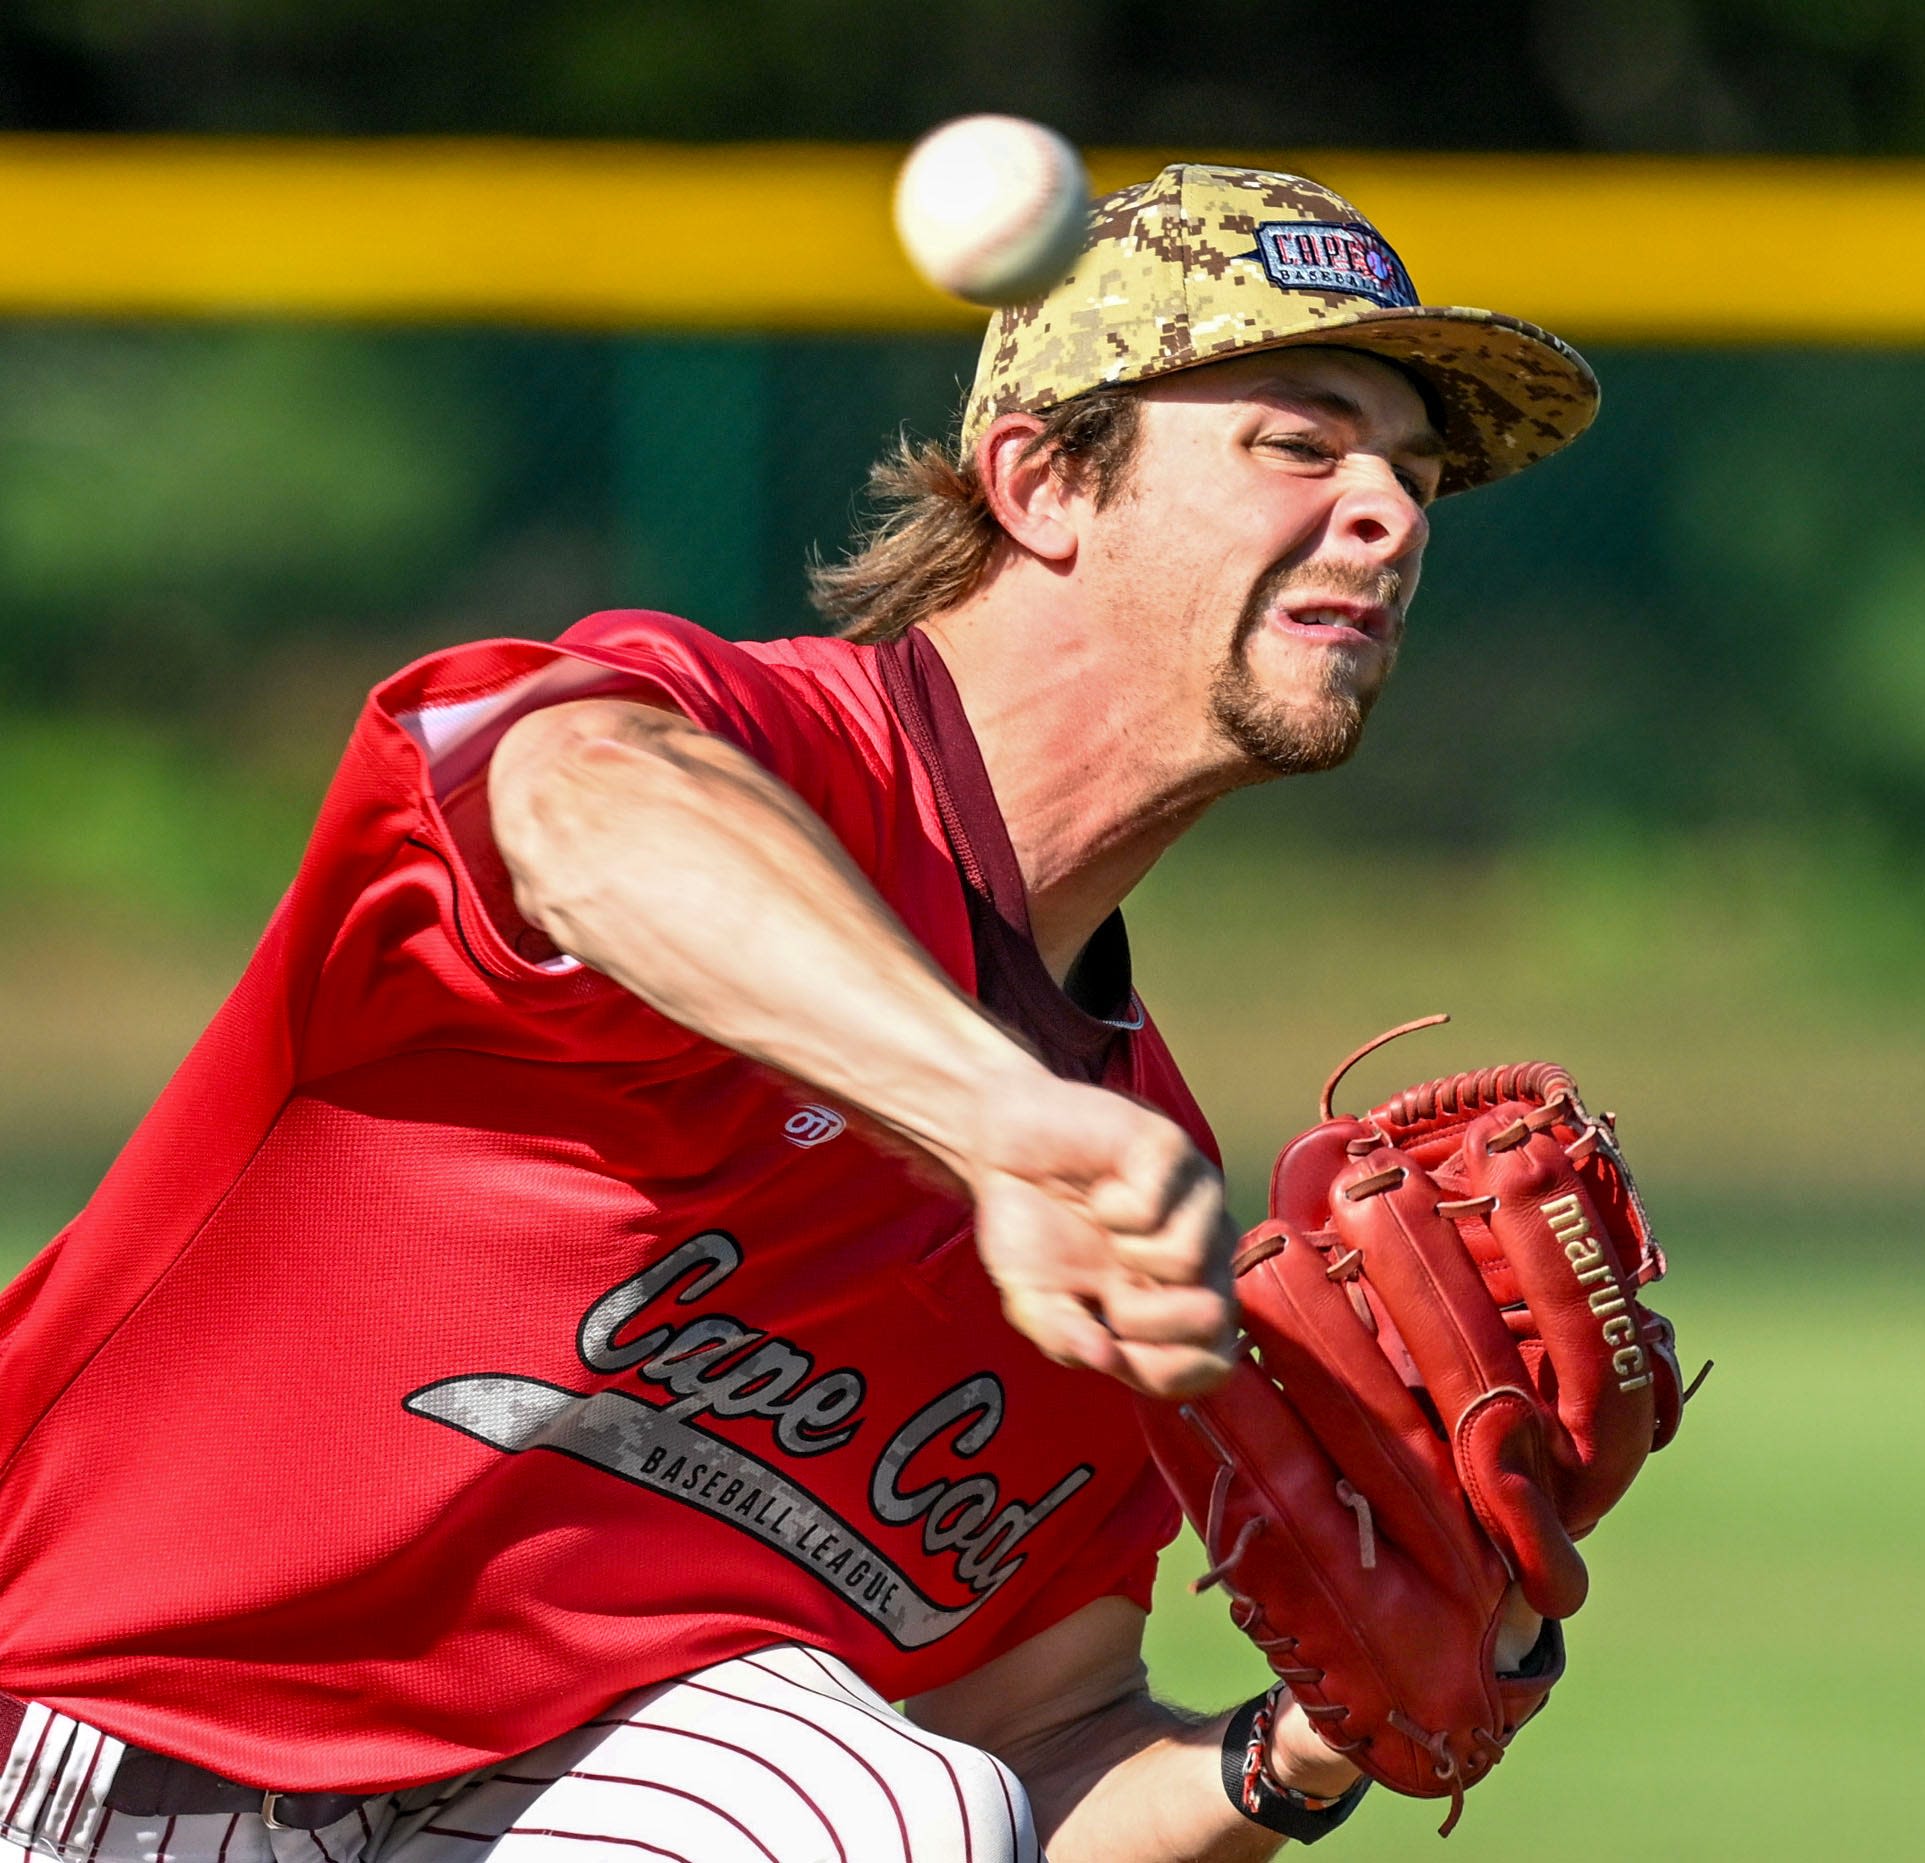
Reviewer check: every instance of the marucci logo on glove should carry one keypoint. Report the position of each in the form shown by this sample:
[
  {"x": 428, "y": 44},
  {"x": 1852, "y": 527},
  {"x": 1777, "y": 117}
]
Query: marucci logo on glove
[{"x": 1572, "y": 1228}]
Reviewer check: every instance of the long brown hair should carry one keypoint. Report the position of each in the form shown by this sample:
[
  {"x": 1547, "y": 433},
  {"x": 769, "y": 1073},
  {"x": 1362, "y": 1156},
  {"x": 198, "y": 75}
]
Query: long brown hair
[{"x": 933, "y": 535}]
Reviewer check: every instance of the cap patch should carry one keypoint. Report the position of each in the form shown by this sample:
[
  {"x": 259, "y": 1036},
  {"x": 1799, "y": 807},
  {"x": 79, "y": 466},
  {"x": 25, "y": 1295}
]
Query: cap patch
[{"x": 1323, "y": 255}]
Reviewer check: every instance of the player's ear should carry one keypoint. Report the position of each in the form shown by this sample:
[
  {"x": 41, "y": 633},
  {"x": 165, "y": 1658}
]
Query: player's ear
[{"x": 1026, "y": 495}]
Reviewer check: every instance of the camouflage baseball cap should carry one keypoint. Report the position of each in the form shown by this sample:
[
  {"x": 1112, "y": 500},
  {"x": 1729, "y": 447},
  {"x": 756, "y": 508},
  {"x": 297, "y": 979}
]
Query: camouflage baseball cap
[{"x": 1203, "y": 263}]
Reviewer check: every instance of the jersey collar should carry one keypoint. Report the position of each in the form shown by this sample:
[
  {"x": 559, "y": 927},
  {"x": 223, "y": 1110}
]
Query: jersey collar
[{"x": 1076, "y": 1030}]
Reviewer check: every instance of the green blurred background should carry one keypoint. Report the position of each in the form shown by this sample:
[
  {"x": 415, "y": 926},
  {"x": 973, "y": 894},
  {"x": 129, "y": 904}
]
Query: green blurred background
[{"x": 1646, "y": 796}]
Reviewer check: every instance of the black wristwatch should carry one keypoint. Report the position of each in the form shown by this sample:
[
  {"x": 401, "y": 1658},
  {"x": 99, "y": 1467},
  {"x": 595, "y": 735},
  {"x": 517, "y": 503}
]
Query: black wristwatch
[{"x": 1247, "y": 1781}]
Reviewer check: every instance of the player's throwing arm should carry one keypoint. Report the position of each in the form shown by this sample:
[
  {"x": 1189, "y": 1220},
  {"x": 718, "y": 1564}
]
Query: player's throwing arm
[{"x": 628, "y": 831}]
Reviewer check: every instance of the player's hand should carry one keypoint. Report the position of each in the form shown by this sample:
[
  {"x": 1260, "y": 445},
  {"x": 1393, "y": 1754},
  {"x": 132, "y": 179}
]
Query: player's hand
[{"x": 1104, "y": 1229}]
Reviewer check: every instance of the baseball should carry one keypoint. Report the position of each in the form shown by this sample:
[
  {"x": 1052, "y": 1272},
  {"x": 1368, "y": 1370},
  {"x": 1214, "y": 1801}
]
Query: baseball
[{"x": 992, "y": 208}]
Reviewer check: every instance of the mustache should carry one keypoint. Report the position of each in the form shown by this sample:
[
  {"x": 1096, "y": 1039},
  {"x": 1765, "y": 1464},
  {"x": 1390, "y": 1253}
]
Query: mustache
[{"x": 1380, "y": 585}]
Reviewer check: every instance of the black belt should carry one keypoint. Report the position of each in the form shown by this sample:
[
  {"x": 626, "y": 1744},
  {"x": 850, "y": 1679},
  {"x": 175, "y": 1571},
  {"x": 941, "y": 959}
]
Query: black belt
[{"x": 151, "y": 1785}]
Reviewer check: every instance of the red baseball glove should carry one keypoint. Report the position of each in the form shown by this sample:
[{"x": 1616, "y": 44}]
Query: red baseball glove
[{"x": 1448, "y": 1379}]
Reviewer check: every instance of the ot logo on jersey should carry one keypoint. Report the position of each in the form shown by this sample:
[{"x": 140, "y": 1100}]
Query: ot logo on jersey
[{"x": 813, "y": 1125}]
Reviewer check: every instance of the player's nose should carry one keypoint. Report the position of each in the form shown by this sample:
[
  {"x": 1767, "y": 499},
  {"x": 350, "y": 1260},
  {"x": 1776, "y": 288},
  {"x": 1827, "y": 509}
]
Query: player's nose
[{"x": 1380, "y": 514}]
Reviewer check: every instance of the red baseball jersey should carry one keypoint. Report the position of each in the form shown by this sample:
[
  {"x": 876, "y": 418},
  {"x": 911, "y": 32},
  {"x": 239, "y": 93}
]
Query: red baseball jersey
[{"x": 459, "y": 1344}]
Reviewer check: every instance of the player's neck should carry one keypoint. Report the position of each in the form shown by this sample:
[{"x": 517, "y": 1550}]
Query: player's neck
[{"x": 1092, "y": 782}]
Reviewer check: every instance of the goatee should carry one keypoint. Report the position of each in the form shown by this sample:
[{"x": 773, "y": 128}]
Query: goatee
[{"x": 1319, "y": 725}]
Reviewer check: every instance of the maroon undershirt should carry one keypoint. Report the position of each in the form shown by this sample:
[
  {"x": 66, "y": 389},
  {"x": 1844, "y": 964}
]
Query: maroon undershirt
[{"x": 1077, "y": 1031}]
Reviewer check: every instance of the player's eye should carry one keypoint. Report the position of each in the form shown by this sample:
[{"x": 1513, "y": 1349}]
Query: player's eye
[
  {"x": 1415, "y": 486},
  {"x": 1300, "y": 446}
]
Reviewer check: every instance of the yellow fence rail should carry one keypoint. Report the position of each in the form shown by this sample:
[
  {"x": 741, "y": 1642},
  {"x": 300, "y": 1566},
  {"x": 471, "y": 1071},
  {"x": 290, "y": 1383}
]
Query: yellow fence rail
[{"x": 796, "y": 237}]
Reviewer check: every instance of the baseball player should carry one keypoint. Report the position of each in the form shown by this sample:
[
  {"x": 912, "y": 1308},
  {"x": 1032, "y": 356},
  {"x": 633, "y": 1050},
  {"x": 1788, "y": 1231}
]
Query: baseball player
[{"x": 655, "y": 1261}]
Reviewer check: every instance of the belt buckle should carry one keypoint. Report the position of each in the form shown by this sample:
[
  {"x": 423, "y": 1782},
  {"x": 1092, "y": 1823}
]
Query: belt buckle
[{"x": 270, "y": 1803}]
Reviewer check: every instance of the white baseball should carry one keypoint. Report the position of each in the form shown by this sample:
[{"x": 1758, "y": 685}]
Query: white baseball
[{"x": 992, "y": 208}]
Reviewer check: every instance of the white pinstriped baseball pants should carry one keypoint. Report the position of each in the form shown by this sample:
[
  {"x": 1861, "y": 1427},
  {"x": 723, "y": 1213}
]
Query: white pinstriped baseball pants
[{"x": 780, "y": 1757}]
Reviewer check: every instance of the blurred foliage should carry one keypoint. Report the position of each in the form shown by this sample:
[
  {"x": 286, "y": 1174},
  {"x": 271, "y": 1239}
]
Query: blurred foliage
[
  {"x": 176, "y": 502},
  {"x": 1704, "y": 617},
  {"x": 123, "y": 813},
  {"x": 1838, "y": 76},
  {"x": 239, "y": 475},
  {"x": 1817, "y": 470}
]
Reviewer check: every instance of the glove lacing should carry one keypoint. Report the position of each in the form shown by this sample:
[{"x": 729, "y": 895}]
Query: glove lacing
[
  {"x": 1245, "y": 1612},
  {"x": 1443, "y": 1762},
  {"x": 1248, "y": 1615}
]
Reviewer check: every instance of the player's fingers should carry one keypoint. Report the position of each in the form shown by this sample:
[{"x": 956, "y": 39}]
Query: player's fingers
[
  {"x": 1156, "y": 1314},
  {"x": 1151, "y": 1178},
  {"x": 1191, "y": 1246},
  {"x": 1193, "y": 1254},
  {"x": 1163, "y": 1209},
  {"x": 1071, "y": 1335},
  {"x": 1171, "y": 1370},
  {"x": 1517, "y": 1634}
]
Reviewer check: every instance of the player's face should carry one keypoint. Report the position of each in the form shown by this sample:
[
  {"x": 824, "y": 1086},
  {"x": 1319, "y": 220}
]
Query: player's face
[{"x": 1274, "y": 528}]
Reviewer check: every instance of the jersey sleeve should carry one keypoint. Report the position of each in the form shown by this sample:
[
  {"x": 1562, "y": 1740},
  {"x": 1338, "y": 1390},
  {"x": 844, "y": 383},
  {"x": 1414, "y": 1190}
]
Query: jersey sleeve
[{"x": 426, "y": 947}]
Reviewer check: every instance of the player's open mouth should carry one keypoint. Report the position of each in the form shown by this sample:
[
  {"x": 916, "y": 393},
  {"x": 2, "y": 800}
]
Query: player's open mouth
[{"x": 1340, "y": 621}]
